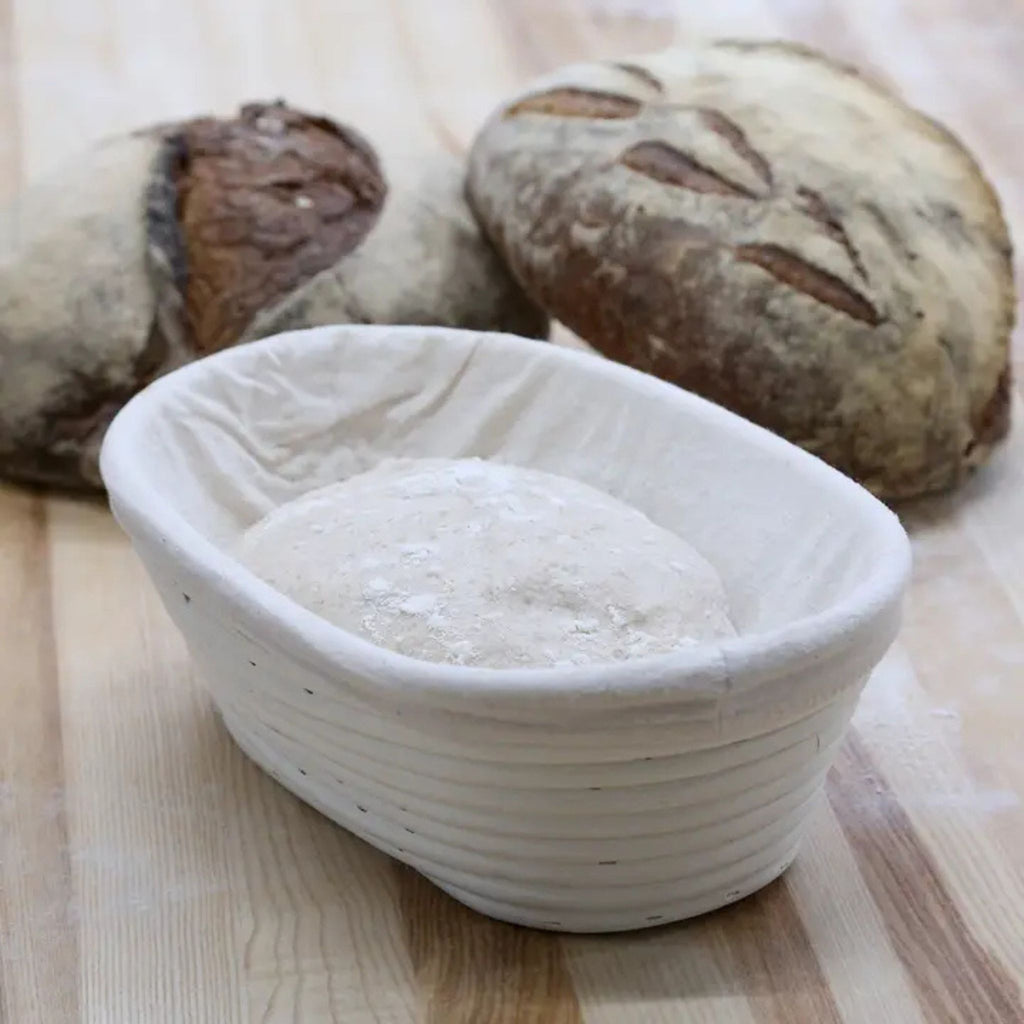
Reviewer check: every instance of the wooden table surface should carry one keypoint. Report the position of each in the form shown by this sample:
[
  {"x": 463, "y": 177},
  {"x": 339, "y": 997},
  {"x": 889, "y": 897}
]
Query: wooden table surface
[{"x": 150, "y": 873}]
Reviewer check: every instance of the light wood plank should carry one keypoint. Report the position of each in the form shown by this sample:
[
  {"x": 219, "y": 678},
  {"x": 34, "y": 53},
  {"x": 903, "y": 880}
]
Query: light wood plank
[
  {"x": 669, "y": 976},
  {"x": 948, "y": 810},
  {"x": 847, "y": 929},
  {"x": 39, "y": 947},
  {"x": 472, "y": 969},
  {"x": 145, "y": 765},
  {"x": 321, "y": 936}
]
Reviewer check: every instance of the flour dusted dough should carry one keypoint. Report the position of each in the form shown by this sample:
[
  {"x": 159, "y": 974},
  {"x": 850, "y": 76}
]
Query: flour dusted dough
[{"x": 477, "y": 563}]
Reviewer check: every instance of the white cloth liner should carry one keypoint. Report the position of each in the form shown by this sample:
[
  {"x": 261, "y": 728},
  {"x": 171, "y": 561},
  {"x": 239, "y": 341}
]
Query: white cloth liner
[{"x": 249, "y": 434}]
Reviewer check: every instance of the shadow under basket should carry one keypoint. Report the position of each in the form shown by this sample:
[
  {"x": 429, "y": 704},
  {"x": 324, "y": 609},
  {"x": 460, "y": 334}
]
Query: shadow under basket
[{"x": 579, "y": 799}]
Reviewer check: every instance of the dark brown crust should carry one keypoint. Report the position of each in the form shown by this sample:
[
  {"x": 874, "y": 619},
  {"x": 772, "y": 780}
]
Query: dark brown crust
[
  {"x": 66, "y": 456},
  {"x": 818, "y": 209},
  {"x": 726, "y": 128},
  {"x": 622, "y": 299},
  {"x": 670, "y": 166},
  {"x": 993, "y": 421},
  {"x": 645, "y": 76},
  {"x": 164, "y": 237},
  {"x": 888, "y": 231},
  {"x": 570, "y": 102},
  {"x": 796, "y": 272},
  {"x": 266, "y": 201}
]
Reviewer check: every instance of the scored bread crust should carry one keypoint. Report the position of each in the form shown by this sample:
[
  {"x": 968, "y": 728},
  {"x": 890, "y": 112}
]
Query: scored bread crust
[{"x": 775, "y": 231}]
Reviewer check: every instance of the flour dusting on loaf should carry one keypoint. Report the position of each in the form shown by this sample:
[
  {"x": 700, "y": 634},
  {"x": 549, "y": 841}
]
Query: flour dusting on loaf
[{"x": 472, "y": 562}]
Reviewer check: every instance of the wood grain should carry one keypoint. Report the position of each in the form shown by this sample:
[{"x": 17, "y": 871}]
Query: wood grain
[
  {"x": 954, "y": 977},
  {"x": 149, "y": 872},
  {"x": 171, "y": 897},
  {"x": 472, "y": 969},
  {"x": 38, "y": 905},
  {"x": 846, "y": 928}
]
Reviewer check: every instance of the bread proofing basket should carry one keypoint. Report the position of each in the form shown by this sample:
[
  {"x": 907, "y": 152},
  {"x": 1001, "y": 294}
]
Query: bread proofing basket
[{"x": 576, "y": 799}]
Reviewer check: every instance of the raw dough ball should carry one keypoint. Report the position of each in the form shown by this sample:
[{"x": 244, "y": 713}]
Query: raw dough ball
[
  {"x": 770, "y": 229},
  {"x": 158, "y": 247},
  {"x": 478, "y": 563}
]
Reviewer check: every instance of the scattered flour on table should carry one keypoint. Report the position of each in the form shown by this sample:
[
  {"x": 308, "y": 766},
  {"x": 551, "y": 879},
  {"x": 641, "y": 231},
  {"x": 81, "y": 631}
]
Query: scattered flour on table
[{"x": 479, "y": 563}]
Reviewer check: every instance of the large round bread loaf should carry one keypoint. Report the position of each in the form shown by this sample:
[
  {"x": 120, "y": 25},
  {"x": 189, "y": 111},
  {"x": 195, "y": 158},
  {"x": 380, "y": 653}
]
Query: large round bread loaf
[
  {"x": 155, "y": 248},
  {"x": 770, "y": 229}
]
